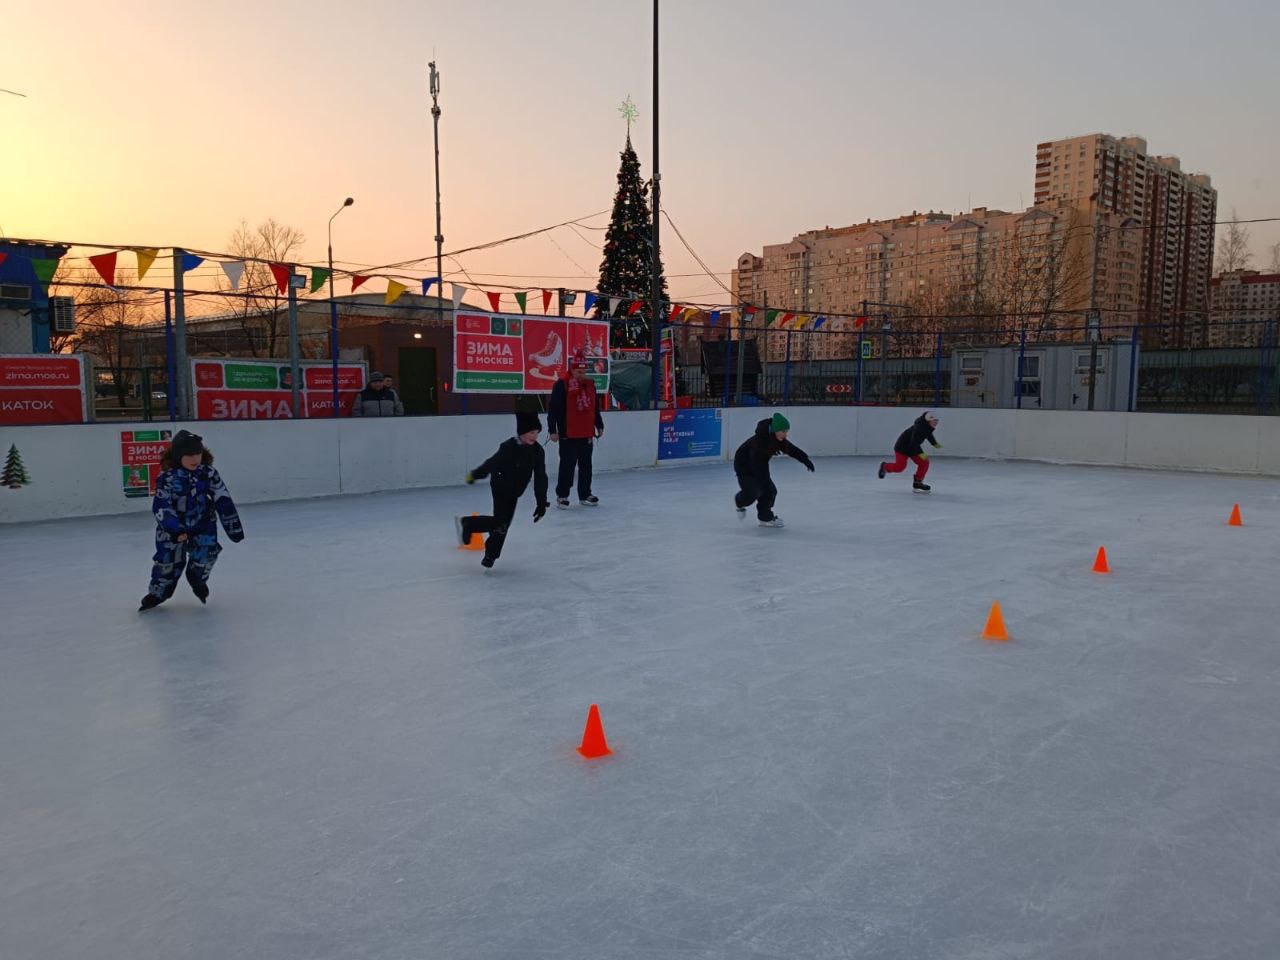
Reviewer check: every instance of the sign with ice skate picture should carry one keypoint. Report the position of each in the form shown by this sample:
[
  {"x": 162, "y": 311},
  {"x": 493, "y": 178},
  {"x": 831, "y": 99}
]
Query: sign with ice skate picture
[
  {"x": 140, "y": 453},
  {"x": 235, "y": 389},
  {"x": 42, "y": 389},
  {"x": 689, "y": 433},
  {"x": 509, "y": 353}
]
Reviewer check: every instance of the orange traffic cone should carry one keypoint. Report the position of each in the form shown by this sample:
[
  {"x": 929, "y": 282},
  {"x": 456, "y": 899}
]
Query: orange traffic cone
[
  {"x": 476, "y": 542},
  {"x": 1100, "y": 564},
  {"x": 1235, "y": 520},
  {"x": 593, "y": 742},
  {"x": 995, "y": 629}
]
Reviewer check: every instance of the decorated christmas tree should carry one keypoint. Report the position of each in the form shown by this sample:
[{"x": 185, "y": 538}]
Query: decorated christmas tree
[
  {"x": 15, "y": 474},
  {"x": 626, "y": 271}
]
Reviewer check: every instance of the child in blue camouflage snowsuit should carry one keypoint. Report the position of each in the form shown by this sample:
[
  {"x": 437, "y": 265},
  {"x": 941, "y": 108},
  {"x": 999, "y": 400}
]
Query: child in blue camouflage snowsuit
[{"x": 189, "y": 493}]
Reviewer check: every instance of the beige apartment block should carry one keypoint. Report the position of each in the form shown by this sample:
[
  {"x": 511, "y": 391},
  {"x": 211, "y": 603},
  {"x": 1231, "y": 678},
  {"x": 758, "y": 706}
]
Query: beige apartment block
[{"x": 1242, "y": 304}]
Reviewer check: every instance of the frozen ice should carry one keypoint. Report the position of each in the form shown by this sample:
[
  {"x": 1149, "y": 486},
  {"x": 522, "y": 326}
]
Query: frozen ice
[{"x": 364, "y": 747}]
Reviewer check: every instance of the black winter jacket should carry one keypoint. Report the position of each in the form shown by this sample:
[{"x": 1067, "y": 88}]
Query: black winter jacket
[
  {"x": 510, "y": 469},
  {"x": 911, "y": 442},
  {"x": 752, "y": 458}
]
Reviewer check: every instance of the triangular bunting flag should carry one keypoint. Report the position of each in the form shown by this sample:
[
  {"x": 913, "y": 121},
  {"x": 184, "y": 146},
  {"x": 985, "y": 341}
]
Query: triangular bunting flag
[
  {"x": 634, "y": 308},
  {"x": 427, "y": 282},
  {"x": 282, "y": 272},
  {"x": 749, "y": 310},
  {"x": 787, "y": 318},
  {"x": 817, "y": 324},
  {"x": 589, "y": 302},
  {"x": 715, "y": 317},
  {"x": 318, "y": 276},
  {"x": 105, "y": 264},
  {"x": 190, "y": 261},
  {"x": 859, "y": 322},
  {"x": 689, "y": 314},
  {"x": 146, "y": 257},
  {"x": 613, "y": 305},
  {"x": 458, "y": 291},
  {"x": 546, "y": 301},
  {"x": 521, "y": 297},
  {"x": 769, "y": 317},
  {"x": 234, "y": 269},
  {"x": 394, "y": 289},
  {"x": 44, "y": 269},
  {"x": 356, "y": 280},
  {"x": 495, "y": 300}
]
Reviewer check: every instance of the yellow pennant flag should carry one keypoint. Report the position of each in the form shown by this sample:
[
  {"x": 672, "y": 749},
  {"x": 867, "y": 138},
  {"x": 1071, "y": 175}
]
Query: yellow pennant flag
[
  {"x": 688, "y": 312},
  {"x": 803, "y": 321},
  {"x": 146, "y": 257},
  {"x": 394, "y": 289}
]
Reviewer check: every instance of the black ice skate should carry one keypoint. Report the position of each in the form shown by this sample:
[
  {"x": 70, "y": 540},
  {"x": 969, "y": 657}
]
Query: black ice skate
[
  {"x": 562, "y": 503},
  {"x": 487, "y": 563},
  {"x": 881, "y": 472},
  {"x": 742, "y": 512},
  {"x": 464, "y": 534},
  {"x": 919, "y": 486},
  {"x": 772, "y": 522},
  {"x": 199, "y": 588},
  {"x": 589, "y": 501},
  {"x": 149, "y": 602}
]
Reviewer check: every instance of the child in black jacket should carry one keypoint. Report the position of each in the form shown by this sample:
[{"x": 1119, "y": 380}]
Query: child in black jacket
[
  {"x": 518, "y": 460},
  {"x": 751, "y": 464},
  {"x": 911, "y": 444}
]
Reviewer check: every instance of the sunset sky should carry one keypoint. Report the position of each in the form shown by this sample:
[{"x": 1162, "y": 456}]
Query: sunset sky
[{"x": 164, "y": 124}]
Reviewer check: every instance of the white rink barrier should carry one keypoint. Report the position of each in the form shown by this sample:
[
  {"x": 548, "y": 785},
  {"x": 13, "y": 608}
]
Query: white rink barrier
[{"x": 76, "y": 470}]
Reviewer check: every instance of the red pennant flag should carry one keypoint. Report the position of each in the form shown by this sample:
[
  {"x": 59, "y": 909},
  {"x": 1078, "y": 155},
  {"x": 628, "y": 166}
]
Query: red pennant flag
[
  {"x": 787, "y": 318},
  {"x": 105, "y": 264},
  {"x": 634, "y": 308},
  {"x": 675, "y": 312},
  {"x": 859, "y": 322},
  {"x": 494, "y": 299},
  {"x": 546, "y": 301},
  {"x": 749, "y": 310},
  {"x": 282, "y": 273},
  {"x": 356, "y": 280}
]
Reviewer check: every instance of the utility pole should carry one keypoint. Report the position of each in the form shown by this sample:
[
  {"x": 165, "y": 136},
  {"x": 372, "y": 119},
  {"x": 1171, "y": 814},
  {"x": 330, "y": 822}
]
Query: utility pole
[
  {"x": 295, "y": 366},
  {"x": 434, "y": 78},
  {"x": 655, "y": 300},
  {"x": 179, "y": 386}
]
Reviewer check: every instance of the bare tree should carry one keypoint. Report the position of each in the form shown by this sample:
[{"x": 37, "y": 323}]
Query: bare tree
[
  {"x": 107, "y": 321},
  {"x": 1233, "y": 247},
  {"x": 261, "y": 310}
]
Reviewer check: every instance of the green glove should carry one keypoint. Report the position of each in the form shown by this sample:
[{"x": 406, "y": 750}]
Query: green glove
[
  {"x": 924, "y": 454},
  {"x": 470, "y": 478}
]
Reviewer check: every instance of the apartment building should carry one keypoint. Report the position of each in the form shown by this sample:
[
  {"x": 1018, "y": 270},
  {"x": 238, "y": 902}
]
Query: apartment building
[{"x": 1244, "y": 309}]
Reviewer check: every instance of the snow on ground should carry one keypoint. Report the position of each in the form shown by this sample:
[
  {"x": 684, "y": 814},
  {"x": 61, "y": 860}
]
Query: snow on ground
[{"x": 364, "y": 747}]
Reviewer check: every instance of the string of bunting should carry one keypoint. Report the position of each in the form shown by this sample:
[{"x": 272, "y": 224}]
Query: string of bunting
[{"x": 105, "y": 264}]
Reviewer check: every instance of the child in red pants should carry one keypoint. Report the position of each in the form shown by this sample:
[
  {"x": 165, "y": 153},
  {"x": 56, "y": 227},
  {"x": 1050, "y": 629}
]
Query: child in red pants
[{"x": 911, "y": 445}]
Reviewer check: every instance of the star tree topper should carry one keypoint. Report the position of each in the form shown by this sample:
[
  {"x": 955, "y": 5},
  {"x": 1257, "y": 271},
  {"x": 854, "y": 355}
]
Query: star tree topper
[{"x": 628, "y": 112}]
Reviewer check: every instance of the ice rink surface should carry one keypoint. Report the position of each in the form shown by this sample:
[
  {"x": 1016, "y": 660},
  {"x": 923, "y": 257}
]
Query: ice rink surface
[{"x": 364, "y": 747}]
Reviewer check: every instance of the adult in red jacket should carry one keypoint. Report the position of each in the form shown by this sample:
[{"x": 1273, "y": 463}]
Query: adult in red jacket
[{"x": 573, "y": 420}]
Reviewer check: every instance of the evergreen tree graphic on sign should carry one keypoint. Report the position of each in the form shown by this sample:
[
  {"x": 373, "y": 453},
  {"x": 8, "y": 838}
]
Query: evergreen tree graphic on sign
[{"x": 15, "y": 474}]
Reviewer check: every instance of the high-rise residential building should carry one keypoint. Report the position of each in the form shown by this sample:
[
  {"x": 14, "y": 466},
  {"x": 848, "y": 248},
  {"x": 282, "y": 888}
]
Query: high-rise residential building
[
  {"x": 1244, "y": 309},
  {"x": 1112, "y": 230},
  {"x": 1117, "y": 185}
]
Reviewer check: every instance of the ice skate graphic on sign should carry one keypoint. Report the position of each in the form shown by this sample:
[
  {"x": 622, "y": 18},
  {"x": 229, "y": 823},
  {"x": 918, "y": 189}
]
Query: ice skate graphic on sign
[{"x": 545, "y": 364}]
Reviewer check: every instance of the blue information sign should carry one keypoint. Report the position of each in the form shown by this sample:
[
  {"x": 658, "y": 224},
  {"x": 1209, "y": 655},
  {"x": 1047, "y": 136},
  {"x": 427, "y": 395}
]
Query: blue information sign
[{"x": 693, "y": 432}]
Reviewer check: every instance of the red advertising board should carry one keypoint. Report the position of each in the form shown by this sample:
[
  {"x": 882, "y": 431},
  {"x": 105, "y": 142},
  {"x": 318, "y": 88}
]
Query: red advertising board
[
  {"x": 507, "y": 353},
  {"x": 42, "y": 389},
  {"x": 140, "y": 453},
  {"x": 234, "y": 389}
]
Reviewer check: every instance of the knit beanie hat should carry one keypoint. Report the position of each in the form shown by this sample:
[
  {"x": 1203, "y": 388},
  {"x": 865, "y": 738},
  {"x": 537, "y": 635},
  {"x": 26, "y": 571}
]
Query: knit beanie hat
[
  {"x": 185, "y": 444},
  {"x": 526, "y": 422},
  {"x": 779, "y": 423}
]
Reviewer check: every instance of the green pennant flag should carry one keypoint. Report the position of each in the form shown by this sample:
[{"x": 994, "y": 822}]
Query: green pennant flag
[
  {"x": 44, "y": 269},
  {"x": 520, "y": 299},
  {"x": 769, "y": 317},
  {"x": 318, "y": 277}
]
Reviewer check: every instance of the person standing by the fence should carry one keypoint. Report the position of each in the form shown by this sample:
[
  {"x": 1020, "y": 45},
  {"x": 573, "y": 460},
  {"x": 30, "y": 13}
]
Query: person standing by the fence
[
  {"x": 911, "y": 445},
  {"x": 377, "y": 399},
  {"x": 574, "y": 421}
]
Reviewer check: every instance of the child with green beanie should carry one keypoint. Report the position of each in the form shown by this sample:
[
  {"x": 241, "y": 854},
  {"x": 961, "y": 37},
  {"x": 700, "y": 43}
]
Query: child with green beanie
[{"x": 751, "y": 464}]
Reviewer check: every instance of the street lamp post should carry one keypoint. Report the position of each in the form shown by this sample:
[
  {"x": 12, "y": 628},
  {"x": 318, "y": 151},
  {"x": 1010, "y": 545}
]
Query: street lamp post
[
  {"x": 434, "y": 82},
  {"x": 333, "y": 308}
]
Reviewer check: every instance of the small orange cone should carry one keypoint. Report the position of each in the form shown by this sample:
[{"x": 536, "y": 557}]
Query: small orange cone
[
  {"x": 593, "y": 742},
  {"x": 1100, "y": 564},
  {"x": 476, "y": 542},
  {"x": 995, "y": 629},
  {"x": 1235, "y": 520}
]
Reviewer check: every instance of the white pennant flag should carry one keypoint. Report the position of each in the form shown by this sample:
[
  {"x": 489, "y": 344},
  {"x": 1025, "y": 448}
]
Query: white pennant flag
[
  {"x": 613, "y": 305},
  {"x": 458, "y": 291},
  {"x": 234, "y": 269}
]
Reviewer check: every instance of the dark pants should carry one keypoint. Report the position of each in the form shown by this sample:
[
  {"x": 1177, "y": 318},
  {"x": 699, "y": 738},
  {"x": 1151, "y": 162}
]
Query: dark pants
[
  {"x": 196, "y": 555},
  {"x": 574, "y": 453},
  {"x": 760, "y": 492},
  {"x": 496, "y": 526}
]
